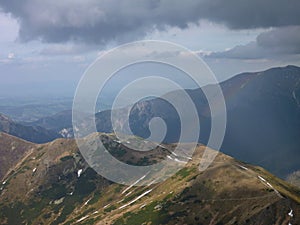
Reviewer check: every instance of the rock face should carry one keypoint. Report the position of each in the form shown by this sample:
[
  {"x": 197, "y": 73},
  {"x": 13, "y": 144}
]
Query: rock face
[{"x": 45, "y": 188}]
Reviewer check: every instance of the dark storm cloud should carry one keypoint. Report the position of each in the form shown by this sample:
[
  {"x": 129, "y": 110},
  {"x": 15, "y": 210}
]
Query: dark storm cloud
[
  {"x": 276, "y": 42},
  {"x": 283, "y": 40},
  {"x": 247, "y": 14},
  {"x": 95, "y": 21}
]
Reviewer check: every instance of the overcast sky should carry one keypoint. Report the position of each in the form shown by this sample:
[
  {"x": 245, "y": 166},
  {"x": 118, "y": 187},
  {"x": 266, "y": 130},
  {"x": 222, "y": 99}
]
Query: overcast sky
[{"x": 45, "y": 46}]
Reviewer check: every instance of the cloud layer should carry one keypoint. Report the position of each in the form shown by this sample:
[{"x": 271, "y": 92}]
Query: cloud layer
[
  {"x": 94, "y": 21},
  {"x": 276, "y": 42}
]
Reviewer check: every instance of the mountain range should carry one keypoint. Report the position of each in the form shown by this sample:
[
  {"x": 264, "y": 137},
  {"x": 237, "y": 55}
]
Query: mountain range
[
  {"x": 263, "y": 118},
  {"x": 52, "y": 184},
  {"x": 36, "y": 134}
]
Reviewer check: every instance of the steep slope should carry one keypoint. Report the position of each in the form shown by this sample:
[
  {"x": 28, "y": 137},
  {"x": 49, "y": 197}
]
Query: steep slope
[
  {"x": 263, "y": 118},
  {"x": 12, "y": 150},
  {"x": 53, "y": 185},
  {"x": 227, "y": 193},
  {"x": 34, "y": 134}
]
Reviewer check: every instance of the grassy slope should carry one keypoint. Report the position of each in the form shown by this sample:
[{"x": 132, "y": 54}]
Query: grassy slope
[
  {"x": 12, "y": 150},
  {"x": 225, "y": 193}
]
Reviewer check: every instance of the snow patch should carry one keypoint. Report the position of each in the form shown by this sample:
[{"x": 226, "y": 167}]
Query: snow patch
[
  {"x": 79, "y": 172},
  {"x": 81, "y": 219},
  {"x": 262, "y": 179},
  {"x": 59, "y": 201},
  {"x": 134, "y": 200},
  {"x": 291, "y": 213},
  {"x": 66, "y": 133},
  {"x": 173, "y": 153},
  {"x": 120, "y": 201},
  {"x": 169, "y": 157},
  {"x": 104, "y": 207},
  {"x": 152, "y": 182},
  {"x": 142, "y": 206},
  {"x": 180, "y": 161},
  {"x": 140, "y": 179},
  {"x": 87, "y": 201},
  {"x": 243, "y": 167},
  {"x": 269, "y": 185}
]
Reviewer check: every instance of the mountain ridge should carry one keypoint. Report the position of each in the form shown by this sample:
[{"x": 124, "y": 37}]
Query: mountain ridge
[
  {"x": 263, "y": 118},
  {"x": 46, "y": 188},
  {"x": 35, "y": 134},
  {"x": 12, "y": 150}
]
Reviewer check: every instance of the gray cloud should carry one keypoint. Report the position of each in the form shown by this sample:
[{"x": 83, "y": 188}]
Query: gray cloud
[
  {"x": 271, "y": 44},
  {"x": 65, "y": 49},
  {"x": 94, "y": 21},
  {"x": 284, "y": 40}
]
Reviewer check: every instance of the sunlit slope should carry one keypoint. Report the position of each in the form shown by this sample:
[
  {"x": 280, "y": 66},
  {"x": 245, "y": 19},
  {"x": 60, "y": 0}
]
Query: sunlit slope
[{"x": 54, "y": 185}]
